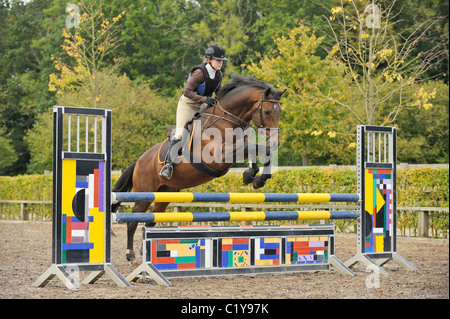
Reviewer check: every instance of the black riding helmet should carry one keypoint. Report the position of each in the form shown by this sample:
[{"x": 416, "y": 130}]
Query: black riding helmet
[{"x": 215, "y": 51}]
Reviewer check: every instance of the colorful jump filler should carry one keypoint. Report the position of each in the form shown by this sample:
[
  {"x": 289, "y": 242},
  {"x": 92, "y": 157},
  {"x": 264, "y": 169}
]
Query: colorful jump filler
[
  {"x": 82, "y": 216},
  {"x": 202, "y": 251}
]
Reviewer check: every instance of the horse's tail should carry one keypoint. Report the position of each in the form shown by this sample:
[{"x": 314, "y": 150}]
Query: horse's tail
[{"x": 124, "y": 184}]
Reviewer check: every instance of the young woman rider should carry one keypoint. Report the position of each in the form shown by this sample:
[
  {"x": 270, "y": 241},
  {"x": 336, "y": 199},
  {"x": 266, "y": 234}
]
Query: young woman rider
[{"x": 204, "y": 80}]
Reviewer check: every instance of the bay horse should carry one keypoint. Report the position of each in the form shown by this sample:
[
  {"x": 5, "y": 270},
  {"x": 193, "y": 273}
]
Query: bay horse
[{"x": 241, "y": 101}]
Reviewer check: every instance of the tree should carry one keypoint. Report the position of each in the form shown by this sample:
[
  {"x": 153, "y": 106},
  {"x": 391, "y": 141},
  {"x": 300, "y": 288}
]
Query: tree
[
  {"x": 277, "y": 18},
  {"x": 23, "y": 87},
  {"x": 92, "y": 39},
  {"x": 227, "y": 23},
  {"x": 379, "y": 62},
  {"x": 423, "y": 136},
  {"x": 86, "y": 79},
  {"x": 159, "y": 43},
  {"x": 311, "y": 127},
  {"x": 140, "y": 116},
  {"x": 9, "y": 155}
]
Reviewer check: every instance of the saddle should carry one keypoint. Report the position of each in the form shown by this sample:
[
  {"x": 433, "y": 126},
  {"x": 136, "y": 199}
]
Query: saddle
[
  {"x": 186, "y": 152},
  {"x": 164, "y": 147}
]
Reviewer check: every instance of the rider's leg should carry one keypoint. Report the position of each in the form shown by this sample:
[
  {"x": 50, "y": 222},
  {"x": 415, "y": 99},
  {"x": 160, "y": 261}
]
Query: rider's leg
[
  {"x": 167, "y": 169},
  {"x": 185, "y": 112}
]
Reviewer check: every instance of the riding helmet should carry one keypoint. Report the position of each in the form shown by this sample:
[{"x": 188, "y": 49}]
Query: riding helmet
[{"x": 215, "y": 51}]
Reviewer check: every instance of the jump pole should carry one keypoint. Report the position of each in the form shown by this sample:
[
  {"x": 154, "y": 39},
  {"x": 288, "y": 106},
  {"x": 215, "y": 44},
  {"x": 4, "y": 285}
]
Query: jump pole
[
  {"x": 189, "y": 217},
  {"x": 186, "y": 197}
]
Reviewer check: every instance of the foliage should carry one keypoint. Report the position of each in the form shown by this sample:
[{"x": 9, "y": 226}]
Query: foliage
[
  {"x": 7, "y": 151},
  {"x": 423, "y": 136},
  {"x": 88, "y": 46},
  {"x": 311, "y": 127},
  {"x": 23, "y": 69},
  {"x": 140, "y": 120},
  {"x": 423, "y": 187},
  {"x": 380, "y": 60},
  {"x": 156, "y": 42}
]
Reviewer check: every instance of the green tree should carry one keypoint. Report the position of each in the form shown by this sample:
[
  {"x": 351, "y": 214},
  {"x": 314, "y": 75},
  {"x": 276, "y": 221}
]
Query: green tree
[
  {"x": 159, "y": 46},
  {"x": 437, "y": 36},
  {"x": 423, "y": 136},
  {"x": 23, "y": 87},
  {"x": 9, "y": 155},
  {"x": 276, "y": 18},
  {"x": 380, "y": 62},
  {"x": 312, "y": 129},
  {"x": 88, "y": 44},
  {"x": 141, "y": 118}
]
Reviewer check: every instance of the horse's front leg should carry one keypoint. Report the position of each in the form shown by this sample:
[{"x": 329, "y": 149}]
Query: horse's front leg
[
  {"x": 249, "y": 174},
  {"x": 260, "y": 180}
]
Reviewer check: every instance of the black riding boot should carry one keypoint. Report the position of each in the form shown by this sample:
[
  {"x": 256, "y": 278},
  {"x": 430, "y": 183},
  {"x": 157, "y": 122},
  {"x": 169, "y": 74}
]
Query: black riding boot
[{"x": 167, "y": 169}]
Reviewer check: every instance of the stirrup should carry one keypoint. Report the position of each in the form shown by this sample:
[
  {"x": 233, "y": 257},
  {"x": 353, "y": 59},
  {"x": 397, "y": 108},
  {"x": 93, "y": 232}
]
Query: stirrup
[{"x": 167, "y": 171}]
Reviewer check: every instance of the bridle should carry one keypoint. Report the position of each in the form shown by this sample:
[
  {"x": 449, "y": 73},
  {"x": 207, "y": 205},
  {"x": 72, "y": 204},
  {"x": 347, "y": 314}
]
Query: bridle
[
  {"x": 259, "y": 108},
  {"x": 241, "y": 122}
]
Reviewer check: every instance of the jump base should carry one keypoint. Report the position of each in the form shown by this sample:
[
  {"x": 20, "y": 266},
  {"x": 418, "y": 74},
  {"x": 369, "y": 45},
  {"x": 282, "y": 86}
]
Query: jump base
[{"x": 172, "y": 252}]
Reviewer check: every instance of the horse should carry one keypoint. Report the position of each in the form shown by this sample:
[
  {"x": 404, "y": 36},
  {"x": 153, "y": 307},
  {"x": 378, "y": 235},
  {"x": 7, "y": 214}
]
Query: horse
[{"x": 241, "y": 101}]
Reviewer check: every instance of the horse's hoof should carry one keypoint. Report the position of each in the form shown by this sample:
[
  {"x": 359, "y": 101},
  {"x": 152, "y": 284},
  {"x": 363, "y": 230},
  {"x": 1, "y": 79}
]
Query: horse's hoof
[
  {"x": 247, "y": 178},
  {"x": 258, "y": 182},
  {"x": 130, "y": 256}
]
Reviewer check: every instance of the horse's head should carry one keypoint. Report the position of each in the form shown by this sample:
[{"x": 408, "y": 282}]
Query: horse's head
[
  {"x": 266, "y": 115},
  {"x": 249, "y": 99}
]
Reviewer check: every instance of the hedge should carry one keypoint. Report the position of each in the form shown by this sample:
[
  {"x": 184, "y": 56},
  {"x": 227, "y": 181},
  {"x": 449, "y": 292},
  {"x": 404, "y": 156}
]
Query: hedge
[{"x": 417, "y": 187}]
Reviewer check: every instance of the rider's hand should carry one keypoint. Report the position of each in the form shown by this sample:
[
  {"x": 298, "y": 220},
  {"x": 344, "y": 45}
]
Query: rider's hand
[{"x": 210, "y": 101}]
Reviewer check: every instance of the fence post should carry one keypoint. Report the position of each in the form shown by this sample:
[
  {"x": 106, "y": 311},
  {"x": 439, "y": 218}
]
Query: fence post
[
  {"x": 246, "y": 223},
  {"x": 24, "y": 211},
  {"x": 423, "y": 223}
]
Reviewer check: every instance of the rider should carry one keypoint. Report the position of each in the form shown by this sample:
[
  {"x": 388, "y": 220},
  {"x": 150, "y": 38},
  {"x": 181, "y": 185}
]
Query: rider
[{"x": 204, "y": 80}]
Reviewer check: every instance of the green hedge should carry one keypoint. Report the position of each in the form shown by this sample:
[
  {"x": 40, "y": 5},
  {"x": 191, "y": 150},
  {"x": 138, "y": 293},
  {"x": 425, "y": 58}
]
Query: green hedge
[{"x": 417, "y": 187}]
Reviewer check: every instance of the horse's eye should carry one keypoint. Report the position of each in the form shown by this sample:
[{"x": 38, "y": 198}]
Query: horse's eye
[{"x": 267, "y": 112}]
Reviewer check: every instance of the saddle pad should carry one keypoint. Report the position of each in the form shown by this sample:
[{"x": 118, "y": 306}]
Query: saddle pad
[{"x": 162, "y": 152}]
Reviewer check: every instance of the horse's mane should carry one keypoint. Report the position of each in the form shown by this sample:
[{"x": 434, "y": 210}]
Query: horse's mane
[{"x": 238, "y": 81}]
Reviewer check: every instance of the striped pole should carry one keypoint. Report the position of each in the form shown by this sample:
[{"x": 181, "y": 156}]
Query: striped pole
[
  {"x": 232, "y": 216},
  {"x": 186, "y": 197}
]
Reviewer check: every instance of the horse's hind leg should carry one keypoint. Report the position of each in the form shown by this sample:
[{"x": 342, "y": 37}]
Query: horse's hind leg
[
  {"x": 157, "y": 207},
  {"x": 140, "y": 207},
  {"x": 131, "y": 229}
]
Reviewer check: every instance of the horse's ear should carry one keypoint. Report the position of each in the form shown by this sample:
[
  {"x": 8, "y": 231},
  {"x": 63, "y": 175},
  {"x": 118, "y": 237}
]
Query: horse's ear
[
  {"x": 267, "y": 92},
  {"x": 282, "y": 92}
]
